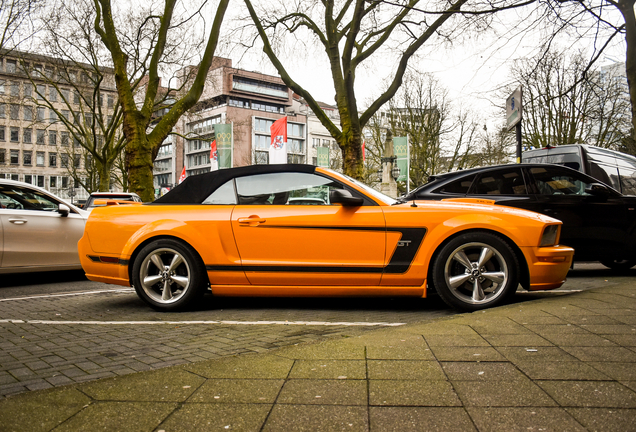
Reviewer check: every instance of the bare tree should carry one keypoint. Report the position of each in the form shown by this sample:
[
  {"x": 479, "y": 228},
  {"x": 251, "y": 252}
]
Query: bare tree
[
  {"x": 142, "y": 41},
  {"x": 354, "y": 33},
  {"x": 560, "y": 108},
  {"x": 600, "y": 19},
  {"x": 440, "y": 139},
  {"x": 79, "y": 93},
  {"x": 16, "y": 21}
]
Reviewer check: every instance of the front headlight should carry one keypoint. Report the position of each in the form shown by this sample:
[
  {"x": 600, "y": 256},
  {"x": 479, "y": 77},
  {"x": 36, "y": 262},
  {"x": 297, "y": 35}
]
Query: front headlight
[{"x": 550, "y": 235}]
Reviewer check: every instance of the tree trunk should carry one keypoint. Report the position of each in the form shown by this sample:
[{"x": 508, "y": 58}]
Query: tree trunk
[{"x": 627, "y": 9}]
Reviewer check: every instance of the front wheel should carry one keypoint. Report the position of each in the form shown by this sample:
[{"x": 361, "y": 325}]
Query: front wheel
[
  {"x": 168, "y": 275},
  {"x": 474, "y": 271}
]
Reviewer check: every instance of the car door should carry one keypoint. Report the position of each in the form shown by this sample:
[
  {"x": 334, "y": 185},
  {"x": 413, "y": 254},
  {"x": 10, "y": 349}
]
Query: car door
[
  {"x": 286, "y": 241},
  {"x": 34, "y": 232},
  {"x": 595, "y": 226}
]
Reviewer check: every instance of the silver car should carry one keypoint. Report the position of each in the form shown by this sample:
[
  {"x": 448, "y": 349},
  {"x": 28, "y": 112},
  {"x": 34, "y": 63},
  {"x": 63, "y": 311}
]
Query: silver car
[{"x": 39, "y": 231}]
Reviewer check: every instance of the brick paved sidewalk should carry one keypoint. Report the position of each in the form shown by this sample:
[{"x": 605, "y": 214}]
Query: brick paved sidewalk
[{"x": 560, "y": 363}]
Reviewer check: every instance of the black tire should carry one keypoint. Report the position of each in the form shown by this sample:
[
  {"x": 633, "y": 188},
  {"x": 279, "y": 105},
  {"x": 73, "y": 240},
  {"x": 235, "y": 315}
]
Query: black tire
[
  {"x": 467, "y": 286},
  {"x": 619, "y": 265},
  {"x": 182, "y": 273}
]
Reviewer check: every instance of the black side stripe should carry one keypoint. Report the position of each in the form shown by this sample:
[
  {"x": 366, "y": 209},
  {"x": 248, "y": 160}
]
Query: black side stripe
[{"x": 399, "y": 263}]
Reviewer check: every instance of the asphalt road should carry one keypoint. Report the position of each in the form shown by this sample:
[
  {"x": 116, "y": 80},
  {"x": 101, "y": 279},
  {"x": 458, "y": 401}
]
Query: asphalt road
[{"x": 59, "y": 328}]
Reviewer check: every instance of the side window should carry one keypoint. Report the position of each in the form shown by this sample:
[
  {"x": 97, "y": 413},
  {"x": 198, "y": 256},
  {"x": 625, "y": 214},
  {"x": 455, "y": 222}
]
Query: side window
[
  {"x": 223, "y": 195},
  {"x": 15, "y": 197},
  {"x": 285, "y": 189},
  {"x": 500, "y": 182},
  {"x": 552, "y": 181},
  {"x": 458, "y": 187}
]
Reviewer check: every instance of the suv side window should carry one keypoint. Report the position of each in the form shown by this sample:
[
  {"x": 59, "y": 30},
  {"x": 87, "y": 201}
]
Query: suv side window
[{"x": 500, "y": 182}]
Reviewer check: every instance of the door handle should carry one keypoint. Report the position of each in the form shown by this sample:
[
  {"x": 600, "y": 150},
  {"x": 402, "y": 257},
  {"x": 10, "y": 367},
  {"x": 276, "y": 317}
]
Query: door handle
[
  {"x": 251, "y": 221},
  {"x": 18, "y": 221}
]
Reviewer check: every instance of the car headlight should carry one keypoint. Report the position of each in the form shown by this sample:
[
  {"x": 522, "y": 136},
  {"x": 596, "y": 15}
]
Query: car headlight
[{"x": 550, "y": 235}]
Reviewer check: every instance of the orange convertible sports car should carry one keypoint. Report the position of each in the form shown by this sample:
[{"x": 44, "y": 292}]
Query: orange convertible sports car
[{"x": 299, "y": 230}]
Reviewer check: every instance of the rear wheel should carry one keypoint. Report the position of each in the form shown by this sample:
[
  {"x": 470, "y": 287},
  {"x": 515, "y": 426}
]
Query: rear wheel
[
  {"x": 169, "y": 275},
  {"x": 619, "y": 265},
  {"x": 474, "y": 271}
]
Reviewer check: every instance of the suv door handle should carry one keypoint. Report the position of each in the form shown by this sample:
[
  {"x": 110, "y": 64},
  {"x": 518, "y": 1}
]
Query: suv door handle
[
  {"x": 18, "y": 221},
  {"x": 251, "y": 221}
]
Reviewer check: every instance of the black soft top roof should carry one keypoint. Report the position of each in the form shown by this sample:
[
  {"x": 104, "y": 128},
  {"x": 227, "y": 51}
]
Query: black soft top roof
[{"x": 197, "y": 188}]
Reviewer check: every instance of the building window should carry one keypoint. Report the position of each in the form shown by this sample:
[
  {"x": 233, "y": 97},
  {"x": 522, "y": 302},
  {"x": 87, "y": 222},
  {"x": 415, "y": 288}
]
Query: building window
[
  {"x": 76, "y": 97},
  {"x": 39, "y": 158},
  {"x": 26, "y": 135},
  {"x": 64, "y": 138},
  {"x": 53, "y": 160},
  {"x": 111, "y": 101},
  {"x": 53, "y": 138},
  {"x": 39, "y": 138},
  {"x": 15, "y": 134},
  {"x": 11, "y": 66},
  {"x": 52, "y": 116},
  {"x": 15, "y": 89},
  {"x": 64, "y": 160},
  {"x": 41, "y": 114},
  {"x": 15, "y": 157},
  {"x": 28, "y": 113},
  {"x": 41, "y": 91},
  {"x": 163, "y": 165},
  {"x": 65, "y": 95},
  {"x": 26, "y": 158},
  {"x": 14, "y": 110},
  {"x": 64, "y": 182},
  {"x": 77, "y": 159},
  {"x": 165, "y": 150},
  {"x": 28, "y": 90},
  {"x": 261, "y": 158},
  {"x": 2, "y": 134},
  {"x": 2, "y": 157},
  {"x": 53, "y": 181},
  {"x": 52, "y": 94},
  {"x": 40, "y": 181},
  {"x": 2, "y": 111},
  {"x": 15, "y": 177},
  {"x": 28, "y": 178}
]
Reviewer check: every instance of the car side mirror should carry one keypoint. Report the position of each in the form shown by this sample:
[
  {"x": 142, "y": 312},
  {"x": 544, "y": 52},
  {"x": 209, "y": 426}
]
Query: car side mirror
[
  {"x": 63, "y": 209},
  {"x": 345, "y": 198},
  {"x": 598, "y": 190}
]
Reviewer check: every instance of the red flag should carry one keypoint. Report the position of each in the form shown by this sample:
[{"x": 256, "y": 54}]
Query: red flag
[
  {"x": 278, "y": 146},
  {"x": 214, "y": 157},
  {"x": 182, "y": 176},
  {"x": 363, "y": 151}
]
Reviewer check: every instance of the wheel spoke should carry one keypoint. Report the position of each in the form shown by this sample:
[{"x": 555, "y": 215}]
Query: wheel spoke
[
  {"x": 456, "y": 281},
  {"x": 182, "y": 281},
  {"x": 176, "y": 260},
  {"x": 461, "y": 258},
  {"x": 156, "y": 260},
  {"x": 151, "y": 280},
  {"x": 497, "y": 277},
  {"x": 486, "y": 254},
  {"x": 167, "y": 292},
  {"x": 478, "y": 293}
]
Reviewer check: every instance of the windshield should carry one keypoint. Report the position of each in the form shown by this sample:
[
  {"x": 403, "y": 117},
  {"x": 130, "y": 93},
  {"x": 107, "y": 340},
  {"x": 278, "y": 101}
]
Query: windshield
[{"x": 379, "y": 195}]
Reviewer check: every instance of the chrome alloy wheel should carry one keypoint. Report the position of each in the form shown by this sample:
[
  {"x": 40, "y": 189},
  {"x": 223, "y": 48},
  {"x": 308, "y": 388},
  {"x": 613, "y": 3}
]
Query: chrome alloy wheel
[
  {"x": 476, "y": 273},
  {"x": 165, "y": 275}
]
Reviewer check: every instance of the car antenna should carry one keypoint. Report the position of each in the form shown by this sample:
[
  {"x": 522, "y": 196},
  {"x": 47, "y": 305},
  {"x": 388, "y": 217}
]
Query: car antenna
[{"x": 413, "y": 205}]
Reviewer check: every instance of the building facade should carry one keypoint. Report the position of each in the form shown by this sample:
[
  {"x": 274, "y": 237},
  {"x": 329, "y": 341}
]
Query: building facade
[
  {"x": 247, "y": 103},
  {"x": 35, "y": 145}
]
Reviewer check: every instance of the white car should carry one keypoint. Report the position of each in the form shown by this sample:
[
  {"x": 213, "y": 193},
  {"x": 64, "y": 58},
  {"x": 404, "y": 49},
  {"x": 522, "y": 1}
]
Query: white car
[{"x": 38, "y": 230}]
